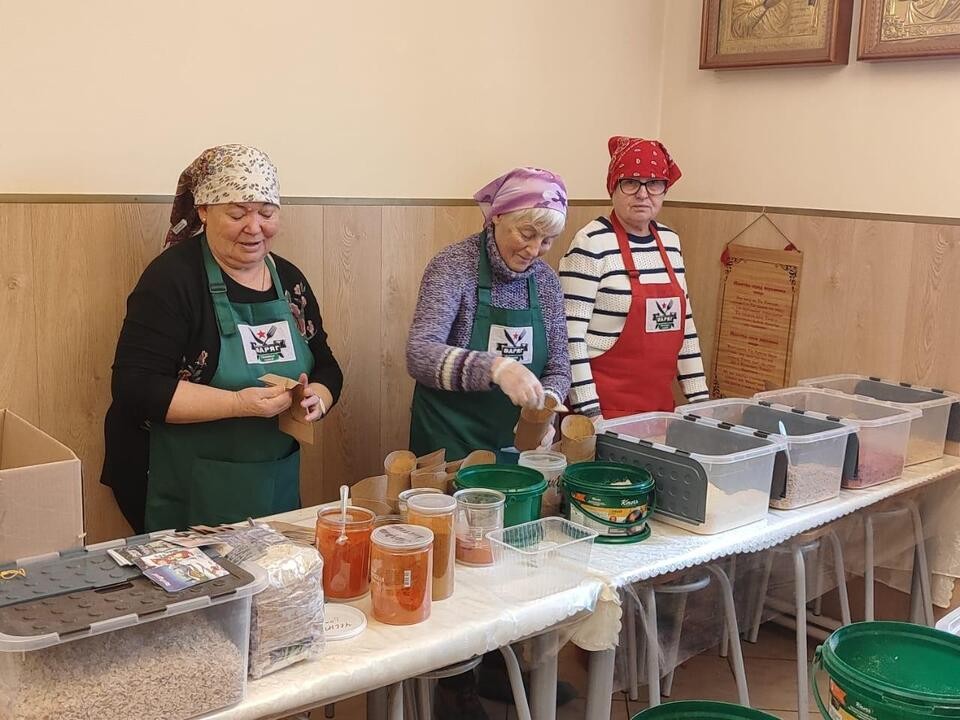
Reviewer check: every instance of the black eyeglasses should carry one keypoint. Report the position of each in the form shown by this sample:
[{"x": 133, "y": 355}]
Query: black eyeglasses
[{"x": 631, "y": 186}]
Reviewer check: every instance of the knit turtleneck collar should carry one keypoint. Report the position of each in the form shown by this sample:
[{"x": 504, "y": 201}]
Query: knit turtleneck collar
[{"x": 497, "y": 265}]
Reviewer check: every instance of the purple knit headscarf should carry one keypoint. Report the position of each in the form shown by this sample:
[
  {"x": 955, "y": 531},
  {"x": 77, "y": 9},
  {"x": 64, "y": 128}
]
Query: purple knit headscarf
[{"x": 522, "y": 189}]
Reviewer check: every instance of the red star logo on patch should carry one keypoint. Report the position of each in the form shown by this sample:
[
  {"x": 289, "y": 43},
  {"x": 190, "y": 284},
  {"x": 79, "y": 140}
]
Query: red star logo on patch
[{"x": 261, "y": 334}]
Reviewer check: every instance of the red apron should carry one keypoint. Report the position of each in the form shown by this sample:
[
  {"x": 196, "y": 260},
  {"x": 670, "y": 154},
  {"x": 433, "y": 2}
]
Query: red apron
[{"x": 636, "y": 375}]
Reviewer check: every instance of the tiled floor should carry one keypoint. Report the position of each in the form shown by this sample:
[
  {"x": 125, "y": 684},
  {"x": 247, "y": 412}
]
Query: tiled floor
[{"x": 771, "y": 676}]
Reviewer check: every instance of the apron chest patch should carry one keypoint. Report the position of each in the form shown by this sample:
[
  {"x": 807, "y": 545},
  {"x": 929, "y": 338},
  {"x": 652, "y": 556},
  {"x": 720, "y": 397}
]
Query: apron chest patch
[
  {"x": 663, "y": 314},
  {"x": 269, "y": 343},
  {"x": 512, "y": 342}
]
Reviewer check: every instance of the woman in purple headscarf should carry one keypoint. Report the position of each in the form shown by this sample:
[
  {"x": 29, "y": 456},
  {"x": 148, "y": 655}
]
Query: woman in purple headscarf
[{"x": 489, "y": 335}]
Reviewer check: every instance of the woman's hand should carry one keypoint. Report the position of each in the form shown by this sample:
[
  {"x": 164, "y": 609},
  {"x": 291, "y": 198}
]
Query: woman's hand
[
  {"x": 266, "y": 402},
  {"x": 548, "y": 439},
  {"x": 312, "y": 402},
  {"x": 519, "y": 384}
]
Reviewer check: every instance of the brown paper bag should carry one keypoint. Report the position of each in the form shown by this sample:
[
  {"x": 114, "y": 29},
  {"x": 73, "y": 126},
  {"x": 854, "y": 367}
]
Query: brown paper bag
[
  {"x": 371, "y": 493},
  {"x": 435, "y": 458},
  {"x": 534, "y": 424},
  {"x": 293, "y": 421},
  {"x": 578, "y": 439},
  {"x": 398, "y": 465},
  {"x": 478, "y": 457},
  {"x": 436, "y": 479}
]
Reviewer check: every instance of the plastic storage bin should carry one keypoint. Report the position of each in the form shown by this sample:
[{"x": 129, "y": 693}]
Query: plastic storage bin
[
  {"x": 709, "y": 479},
  {"x": 188, "y": 660},
  {"x": 928, "y": 433},
  {"x": 540, "y": 558},
  {"x": 817, "y": 446},
  {"x": 883, "y": 429}
]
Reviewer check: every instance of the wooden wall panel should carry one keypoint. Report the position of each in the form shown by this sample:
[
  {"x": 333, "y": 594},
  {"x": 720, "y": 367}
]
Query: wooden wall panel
[
  {"x": 351, "y": 306},
  {"x": 877, "y": 297},
  {"x": 19, "y": 389},
  {"x": 87, "y": 258},
  {"x": 300, "y": 241},
  {"x": 931, "y": 347}
]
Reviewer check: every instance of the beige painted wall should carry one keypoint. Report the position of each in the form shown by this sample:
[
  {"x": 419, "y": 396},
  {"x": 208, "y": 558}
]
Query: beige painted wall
[
  {"x": 862, "y": 137},
  {"x": 367, "y": 98}
]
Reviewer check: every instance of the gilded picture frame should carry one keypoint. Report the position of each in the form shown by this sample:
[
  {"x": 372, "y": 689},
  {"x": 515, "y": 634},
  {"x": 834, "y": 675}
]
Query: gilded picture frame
[
  {"x": 768, "y": 33},
  {"x": 909, "y": 29}
]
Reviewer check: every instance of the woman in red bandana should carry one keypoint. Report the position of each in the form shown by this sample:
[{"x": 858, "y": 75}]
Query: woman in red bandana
[{"x": 629, "y": 319}]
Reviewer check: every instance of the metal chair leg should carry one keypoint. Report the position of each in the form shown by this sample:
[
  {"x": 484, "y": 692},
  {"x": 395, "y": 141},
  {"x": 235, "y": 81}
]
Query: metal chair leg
[
  {"x": 730, "y": 613},
  {"x": 633, "y": 660},
  {"x": 725, "y": 634},
  {"x": 675, "y": 647},
  {"x": 820, "y": 580},
  {"x": 800, "y": 593},
  {"x": 920, "y": 556},
  {"x": 424, "y": 699},
  {"x": 841, "y": 571},
  {"x": 516, "y": 683},
  {"x": 761, "y": 599},
  {"x": 868, "y": 611},
  {"x": 653, "y": 645}
]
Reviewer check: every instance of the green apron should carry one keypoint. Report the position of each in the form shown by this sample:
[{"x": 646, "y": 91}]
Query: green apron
[
  {"x": 228, "y": 470},
  {"x": 463, "y": 422}
]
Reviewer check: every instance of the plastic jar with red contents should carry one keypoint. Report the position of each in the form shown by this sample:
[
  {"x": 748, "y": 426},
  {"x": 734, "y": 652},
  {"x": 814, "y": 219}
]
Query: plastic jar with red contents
[
  {"x": 346, "y": 562},
  {"x": 401, "y": 574}
]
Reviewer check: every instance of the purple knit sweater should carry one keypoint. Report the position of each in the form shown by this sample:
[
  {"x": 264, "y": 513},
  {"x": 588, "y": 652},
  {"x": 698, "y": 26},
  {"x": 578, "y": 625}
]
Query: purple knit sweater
[{"x": 446, "y": 309}]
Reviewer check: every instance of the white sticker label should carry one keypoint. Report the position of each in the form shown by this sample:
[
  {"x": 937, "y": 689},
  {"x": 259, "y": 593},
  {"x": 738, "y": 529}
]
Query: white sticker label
[
  {"x": 266, "y": 344},
  {"x": 663, "y": 314},
  {"x": 512, "y": 342},
  {"x": 407, "y": 578}
]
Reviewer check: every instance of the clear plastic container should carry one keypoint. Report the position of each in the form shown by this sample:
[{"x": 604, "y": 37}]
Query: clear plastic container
[
  {"x": 817, "y": 446},
  {"x": 928, "y": 433},
  {"x": 346, "y": 565},
  {"x": 132, "y": 667},
  {"x": 540, "y": 558},
  {"x": 436, "y": 512},
  {"x": 401, "y": 574},
  {"x": 739, "y": 466},
  {"x": 413, "y": 492},
  {"x": 479, "y": 511},
  {"x": 883, "y": 429},
  {"x": 551, "y": 465}
]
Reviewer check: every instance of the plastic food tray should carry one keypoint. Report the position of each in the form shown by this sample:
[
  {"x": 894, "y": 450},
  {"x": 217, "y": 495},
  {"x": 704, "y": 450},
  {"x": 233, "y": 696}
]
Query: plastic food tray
[
  {"x": 709, "y": 479},
  {"x": 928, "y": 434},
  {"x": 819, "y": 447},
  {"x": 540, "y": 558},
  {"x": 883, "y": 428}
]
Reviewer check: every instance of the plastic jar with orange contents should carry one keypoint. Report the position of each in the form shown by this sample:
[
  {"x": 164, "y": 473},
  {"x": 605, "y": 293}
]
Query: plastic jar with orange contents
[
  {"x": 401, "y": 574},
  {"x": 346, "y": 563},
  {"x": 437, "y": 513}
]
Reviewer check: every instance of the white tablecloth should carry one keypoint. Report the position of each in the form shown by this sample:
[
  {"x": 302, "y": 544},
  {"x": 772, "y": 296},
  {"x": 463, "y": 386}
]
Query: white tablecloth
[{"x": 472, "y": 622}]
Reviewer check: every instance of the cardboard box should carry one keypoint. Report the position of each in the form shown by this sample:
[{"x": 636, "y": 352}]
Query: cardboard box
[{"x": 41, "y": 494}]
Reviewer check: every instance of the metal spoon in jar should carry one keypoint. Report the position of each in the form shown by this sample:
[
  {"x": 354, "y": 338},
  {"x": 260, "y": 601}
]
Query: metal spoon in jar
[{"x": 344, "y": 493}]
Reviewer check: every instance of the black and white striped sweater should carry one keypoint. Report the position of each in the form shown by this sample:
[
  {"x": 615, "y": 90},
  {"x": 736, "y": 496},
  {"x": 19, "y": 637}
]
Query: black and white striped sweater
[{"x": 597, "y": 297}]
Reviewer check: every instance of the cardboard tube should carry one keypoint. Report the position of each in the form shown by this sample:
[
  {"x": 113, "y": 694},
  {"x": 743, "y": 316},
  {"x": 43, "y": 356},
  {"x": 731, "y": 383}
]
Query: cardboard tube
[
  {"x": 435, "y": 458},
  {"x": 578, "y": 439},
  {"x": 399, "y": 464}
]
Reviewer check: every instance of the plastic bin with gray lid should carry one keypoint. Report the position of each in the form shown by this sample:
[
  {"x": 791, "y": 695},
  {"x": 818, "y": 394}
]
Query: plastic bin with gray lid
[
  {"x": 81, "y": 637},
  {"x": 709, "y": 479},
  {"x": 819, "y": 446},
  {"x": 883, "y": 429},
  {"x": 928, "y": 434}
]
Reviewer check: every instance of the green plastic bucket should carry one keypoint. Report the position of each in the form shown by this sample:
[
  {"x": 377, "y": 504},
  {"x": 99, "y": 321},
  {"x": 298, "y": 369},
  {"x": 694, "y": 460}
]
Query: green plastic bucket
[
  {"x": 889, "y": 671},
  {"x": 701, "y": 710},
  {"x": 612, "y": 498},
  {"x": 522, "y": 486}
]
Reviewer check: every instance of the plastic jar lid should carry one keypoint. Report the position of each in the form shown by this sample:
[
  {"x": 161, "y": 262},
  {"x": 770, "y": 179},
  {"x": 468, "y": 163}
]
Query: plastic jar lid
[
  {"x": 480, "y": 498},
  {"x": 342, "y": 622},
  {"x": 543, "y": 459},
  {"x": 356, "y": 516},
  {"x": 432, "y": 504},
  {"x": 407, "y": 494},
  {"x": 402, "y": 537}
]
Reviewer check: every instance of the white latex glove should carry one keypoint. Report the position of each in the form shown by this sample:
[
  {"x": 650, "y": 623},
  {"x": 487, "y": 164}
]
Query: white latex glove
[
  {"x": 547, "y": 441},
  {"x": 598, "y": 423},
  {"x": 519, "y": 384}
]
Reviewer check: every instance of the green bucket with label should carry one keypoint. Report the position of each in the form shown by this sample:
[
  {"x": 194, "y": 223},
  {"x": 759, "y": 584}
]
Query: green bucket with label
[
  {"x": 889, "y": 671},
  {"x": 701, "y": 710},
  {"x": 612, "y": 498},
  {"x": 522, "y": 486}
]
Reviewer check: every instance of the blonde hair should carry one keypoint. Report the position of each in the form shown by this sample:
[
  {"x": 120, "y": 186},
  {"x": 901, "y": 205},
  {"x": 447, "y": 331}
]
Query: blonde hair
[{"x": 547, "y": 221}]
